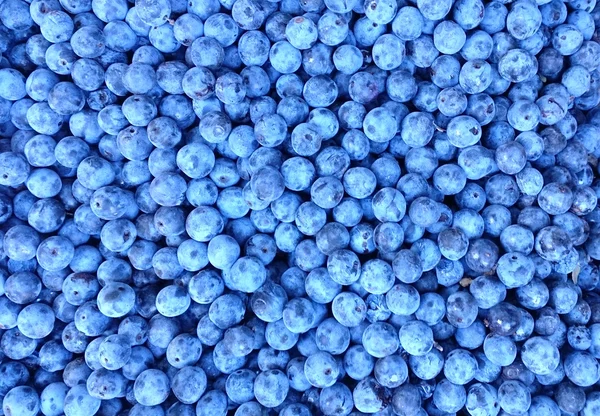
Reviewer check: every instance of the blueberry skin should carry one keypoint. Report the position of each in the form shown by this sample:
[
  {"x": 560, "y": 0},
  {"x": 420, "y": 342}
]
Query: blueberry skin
[
  {"x": 23, "y": 400},
  {"x": 36, "y": 321},
  {"x": 14, "y": 169},
  {"x": 517, "y": 65},
  {"x": 540, "y": 356},
  {"x": 449, "y": 396},
  {"x": 153, "y": 393},
  {"x": 78, "y": 400},
  {"x": 388, "y": 52},
  {"x": 413, "y": 344},
  {"x": 366, "y": 398},
  {"x": 301, "y": 32},
  {"x": 17, "y": 82}
]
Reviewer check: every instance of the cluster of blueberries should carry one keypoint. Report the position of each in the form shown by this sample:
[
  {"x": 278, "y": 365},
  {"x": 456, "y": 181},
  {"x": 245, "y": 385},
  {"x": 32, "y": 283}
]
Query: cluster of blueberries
[{"x": 299, "y": 207}]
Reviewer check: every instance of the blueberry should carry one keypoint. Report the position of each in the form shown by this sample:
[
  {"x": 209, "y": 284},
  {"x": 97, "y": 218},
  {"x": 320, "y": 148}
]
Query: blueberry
[
  {"x": 36, "y": 321},
  {"x": 336, "y": 399},
  {"x": 271, "y": 388},
  {"x": 370, "y": 396},
  {"x": 448, "y": 396},
  {"x": 239, "y": 386},
  {"x": 460, "y": 367},
  {"x": 78, "y": 401},
  {"x": 388, "y": 52},
  {"x": 517, "y": 65},
  {"x": 301, "y": 32},
  {"x": 540, "y": 356},
  {"x": 188, "y": 384},
  {"x": 151, "y": 387},
  {"x": 21, "y": 400},
  {"x": 482, "y": 398},
  {"x": 433, "y": 10},
  {"x": 414, "y": 344},
  {"x": 15, "y": 80},
  {"x": 514, "y": 396}
]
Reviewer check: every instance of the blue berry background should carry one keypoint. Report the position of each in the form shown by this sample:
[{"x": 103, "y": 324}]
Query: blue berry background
[{"x": 299, "y": 207}]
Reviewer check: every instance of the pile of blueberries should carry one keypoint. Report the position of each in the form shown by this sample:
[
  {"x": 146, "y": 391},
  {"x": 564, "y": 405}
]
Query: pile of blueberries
[{"x": 299, "y": 207}]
